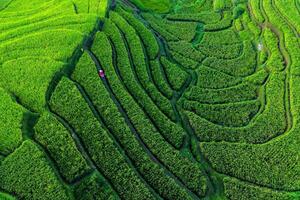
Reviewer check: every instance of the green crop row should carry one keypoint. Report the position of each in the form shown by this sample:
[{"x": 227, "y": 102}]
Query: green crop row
[
  {"x": 69, "y": 103},
  {"x": 241, "y": 92},
  {"x": 63, "y": 8},
  {"x": 213, "y": 79},
  {"x": 221, "y": 51},
  {"x": 137, "y": 57},
  {"x": 34, "y": 4},
  {"x": 206, "y": 17},
  {"x": 176, "y": 76},
  {"x": 153, "y": 173},
  {"x": 239, "y": 190},
  {"x": 271, "y": 122},
  {"x": 240, "y": 66},
  {"x": 28, "y": 78},
  {"x": 11, "y": 123},
  {"x": 4, "y": 196},
  {"x": 82, "y": 23},
  {"x": 159, "y": 80},
  {"x": 171, "y": 131},
  {"x": 92, "y": 6},
  {"x": 222, "y": 37},
  {"x": 184, "y": 61},
  {"x": 230, "y": 114},
  {"x": 145, "y": 34},
  {"x": 275, "y": 61},
  {"x": 220, "y": 5},
  {"x": 28, "y": 174},
  {"x": 226, "y": 22},
  {"x": 172, "y": 30},
  {"x": 54, "y": 137},
  {"x": 185, "y": 169},
  {"x": 187, "y": 51},
  {"x": 18, "y": 14},
  {"x": 290, "y": 12},
  {"x": 256, "y": 10},
  {"x": 94, "y": 187}
]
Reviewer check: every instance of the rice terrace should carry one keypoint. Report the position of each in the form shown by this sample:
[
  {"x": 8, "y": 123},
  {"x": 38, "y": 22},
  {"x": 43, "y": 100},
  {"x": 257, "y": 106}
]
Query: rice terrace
[{"x": 150, "y": 99}]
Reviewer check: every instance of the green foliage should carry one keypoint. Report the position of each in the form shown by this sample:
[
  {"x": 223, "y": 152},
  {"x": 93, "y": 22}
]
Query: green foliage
[
  {"x": 159, "y": 6},
  {"x": 229, "y": 114},
  {"x": 270, "y": 123},
  {"x": 29, "y": 78},
  {"x": 11, "y": 123},
  {"x": 214, "y": 79},
  {"x": 27, "y": 173},
  {"x": 176, "y": 76},
  {"x": 159, "y": 79},
  {"x": 68, "y": 102},
  {"x": 243, "y": 65},
  {"x": 52, "y": 135},
  {"x": 241, "y": 92},
  {"x": 136, "y": 57},
  {"x": 239, "y": 190},
  {"x": 169, "y": 129},
  {"x": 220, "y": 5},
  {"x": 94, "y": 187},
  {"x": 275, "y": 61},
  {"x": 4, "y": 196},
  {"x": 206, "y": 17},
  {"x": 153, "y": 173},
  {"x": 185, "y": 169},
  {"x": 143, "y": 32},
  {"x": 172, "y": 30}
]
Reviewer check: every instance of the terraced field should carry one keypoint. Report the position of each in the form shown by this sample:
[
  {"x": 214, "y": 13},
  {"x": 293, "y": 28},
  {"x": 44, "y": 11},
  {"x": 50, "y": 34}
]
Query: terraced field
[{"x": 156, "y": 99}]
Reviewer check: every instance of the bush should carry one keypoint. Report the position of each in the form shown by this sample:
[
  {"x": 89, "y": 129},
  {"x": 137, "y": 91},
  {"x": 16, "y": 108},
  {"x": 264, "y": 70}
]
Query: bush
[
  {"x": 28, "y": 174},
  {"x": 54, "y": 137}
]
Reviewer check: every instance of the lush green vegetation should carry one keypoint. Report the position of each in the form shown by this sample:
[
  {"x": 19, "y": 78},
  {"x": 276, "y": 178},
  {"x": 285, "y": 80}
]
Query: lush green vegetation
[{"x": 149, "y": 99}]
